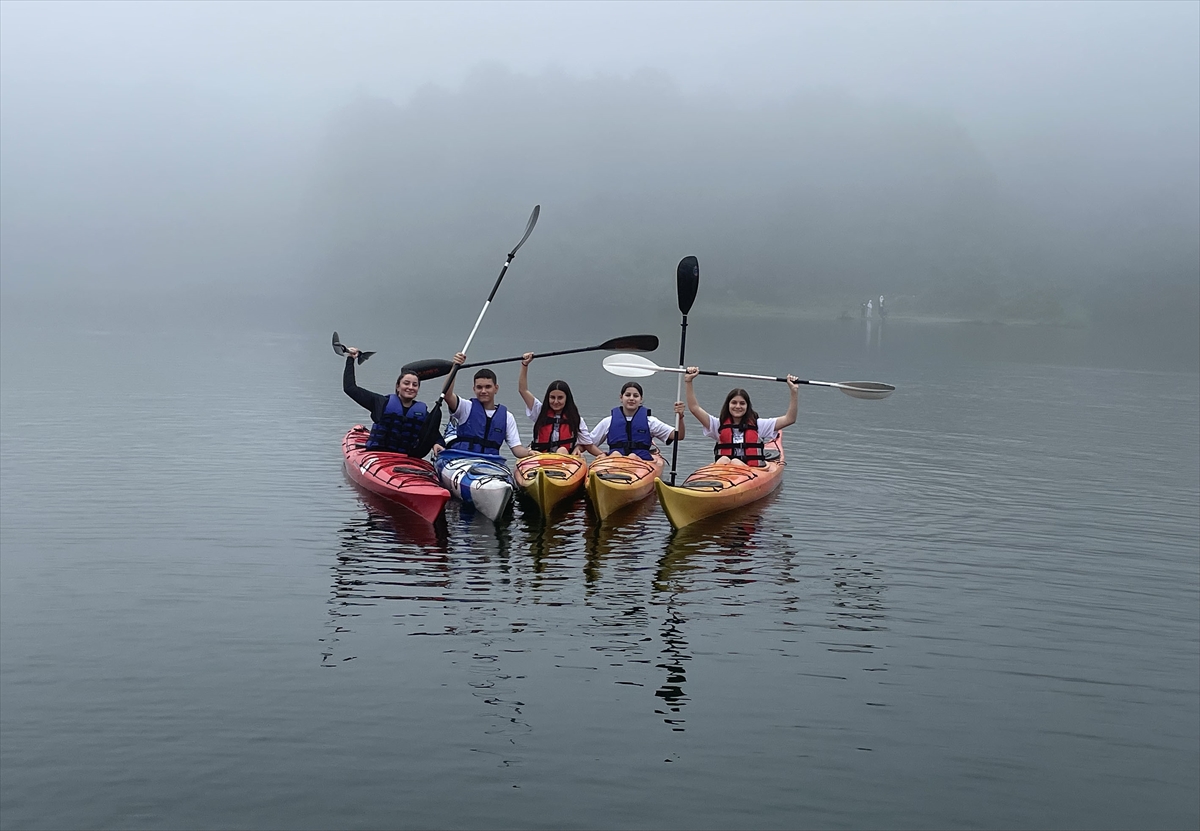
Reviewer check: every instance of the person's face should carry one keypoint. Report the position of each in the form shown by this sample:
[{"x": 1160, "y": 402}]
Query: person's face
[
  {"x": 737, "y": 406},
  {"x": 408, "y": 388},
  {"x": 631, "y": 399},
  {"x": 557, "y": 399},
  {"x": 485, "y": 391}
]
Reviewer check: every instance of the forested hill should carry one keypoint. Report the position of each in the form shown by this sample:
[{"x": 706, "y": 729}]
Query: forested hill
[{"x": 817, "y": 202}]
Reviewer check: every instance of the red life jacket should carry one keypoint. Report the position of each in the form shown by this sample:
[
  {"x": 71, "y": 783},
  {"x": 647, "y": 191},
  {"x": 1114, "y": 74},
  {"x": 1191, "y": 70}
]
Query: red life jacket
[
  {"x": 544, "y": 441},
  {"x": 750, "y": 450}
]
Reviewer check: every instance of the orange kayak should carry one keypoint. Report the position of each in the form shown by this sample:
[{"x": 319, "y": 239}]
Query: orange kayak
[
  {"x": 549, "y": 478},
  {"x": 402, "y": 479},
  {"x": 616, "y": 481},
  {"x": 714, "y": 488}
]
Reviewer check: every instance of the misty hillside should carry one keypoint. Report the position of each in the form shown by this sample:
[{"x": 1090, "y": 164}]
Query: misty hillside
[{"x": 817, "y": 201}]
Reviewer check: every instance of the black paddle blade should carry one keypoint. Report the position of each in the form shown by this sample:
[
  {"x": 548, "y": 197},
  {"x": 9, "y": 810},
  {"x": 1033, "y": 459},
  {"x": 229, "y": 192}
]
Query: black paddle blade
[
  {"x": 430, "y": 368},
  {"x": 687, "y": 281},
  {"x": 632, "y": 343},
  {"x": 362, "y": 356},
  {"x": 338, "y": 349},
  {"x": 533, "y": 218}
]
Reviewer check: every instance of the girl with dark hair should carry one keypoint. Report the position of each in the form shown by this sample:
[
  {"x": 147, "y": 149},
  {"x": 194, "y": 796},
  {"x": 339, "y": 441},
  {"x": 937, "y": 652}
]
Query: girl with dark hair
[
  {"x": 739, "y": 432},
  {"x": 557, "y": 427},
  {"x": 397, "y": 419},
  {"x": 631, "y": 430}
]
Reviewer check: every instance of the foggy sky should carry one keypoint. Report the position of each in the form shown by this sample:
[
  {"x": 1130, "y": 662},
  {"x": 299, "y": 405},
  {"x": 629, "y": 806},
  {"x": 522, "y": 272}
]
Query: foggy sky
[{"x": 1088, "y": 113}]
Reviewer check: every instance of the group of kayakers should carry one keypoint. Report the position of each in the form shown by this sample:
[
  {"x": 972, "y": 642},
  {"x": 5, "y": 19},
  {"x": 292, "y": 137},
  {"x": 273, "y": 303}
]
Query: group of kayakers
[{"x": 480, "y": 425}]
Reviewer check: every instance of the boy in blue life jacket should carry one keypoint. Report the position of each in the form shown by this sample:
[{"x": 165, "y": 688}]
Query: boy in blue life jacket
[
  {"x": 397, "y": 418},
  {"x": 482, "y": 425}
]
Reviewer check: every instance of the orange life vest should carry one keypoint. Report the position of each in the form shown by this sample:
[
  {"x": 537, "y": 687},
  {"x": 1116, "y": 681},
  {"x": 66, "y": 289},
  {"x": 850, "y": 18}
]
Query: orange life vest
[
  {"x": 749, "y": 450},
  {"x": 544, "y": 441}
]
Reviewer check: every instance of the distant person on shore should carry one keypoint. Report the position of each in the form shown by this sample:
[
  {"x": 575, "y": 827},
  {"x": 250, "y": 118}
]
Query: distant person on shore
[
  {"x": 862, "y": 310},
  {"x": 882, "y": 313},
  {"x": 868, "y": 310}
]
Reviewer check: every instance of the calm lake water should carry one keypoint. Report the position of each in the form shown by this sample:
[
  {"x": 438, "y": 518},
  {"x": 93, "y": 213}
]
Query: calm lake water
[{"x": 975, "y": 604}]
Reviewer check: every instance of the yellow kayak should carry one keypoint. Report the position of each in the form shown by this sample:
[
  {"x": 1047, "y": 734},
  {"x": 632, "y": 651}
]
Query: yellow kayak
[
  {"x": 616, "y": 481},
  {"x": 549, "y": 478},
  {"x": 715, "y": 488}
]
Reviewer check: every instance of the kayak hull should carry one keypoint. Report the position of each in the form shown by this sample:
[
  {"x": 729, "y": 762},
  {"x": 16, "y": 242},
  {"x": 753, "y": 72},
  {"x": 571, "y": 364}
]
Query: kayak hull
[
  {"x": 616, "y": 481},
  {"x": 478, "y": 479},
  {"x": 714, "y": 489},
  {"x": 549, "y": 478},
  {"x": 409, "y": 482}
]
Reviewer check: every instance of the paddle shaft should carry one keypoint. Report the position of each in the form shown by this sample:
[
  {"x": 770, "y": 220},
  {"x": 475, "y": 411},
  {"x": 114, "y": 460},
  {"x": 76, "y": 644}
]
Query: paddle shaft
[
  {"x": 747, "y": 375},
  {"x": 504, "y": 270},
  {"x": 678, "y": 393},
  {"x": 687, "y": 282},
  {"x": 434, "y": 417},
  {"x": 538, "y": 355}
]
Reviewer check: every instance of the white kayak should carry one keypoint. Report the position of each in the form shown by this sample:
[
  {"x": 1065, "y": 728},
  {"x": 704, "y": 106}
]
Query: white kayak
[{"x": 479, "y": 479}]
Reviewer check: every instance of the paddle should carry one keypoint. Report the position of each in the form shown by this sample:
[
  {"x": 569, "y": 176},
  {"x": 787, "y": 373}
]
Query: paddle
[
  {"x": 341, "y": 350},
  {"x": 635, "y": 366},
  {"x": 687, "y": 281},
  {"x": 436, "y": 367},
  {"x": 433, "y": 421}
]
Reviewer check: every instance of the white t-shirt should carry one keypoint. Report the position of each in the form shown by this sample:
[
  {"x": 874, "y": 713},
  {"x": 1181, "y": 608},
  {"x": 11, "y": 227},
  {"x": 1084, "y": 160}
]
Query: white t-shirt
[
  {"x": 585, "y": 435},
  {"x": 658, "y": 429},
  {"x": 511, "y": 437},
  {"x": 766, "y": 430}
]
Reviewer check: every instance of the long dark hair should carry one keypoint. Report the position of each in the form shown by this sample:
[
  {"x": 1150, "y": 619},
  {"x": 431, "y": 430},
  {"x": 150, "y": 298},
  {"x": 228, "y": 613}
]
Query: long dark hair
[
  {"x": 570, "y": 413},
  {"x": 750, "y": 416},
  {"x": 635, "y": 385}
]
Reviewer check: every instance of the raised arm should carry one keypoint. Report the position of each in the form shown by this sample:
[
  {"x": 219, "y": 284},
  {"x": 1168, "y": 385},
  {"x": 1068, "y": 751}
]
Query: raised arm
[
  {"x": 701, "y": 415},
  {"x": 523, "y": 380},
  {"x": 364, "y": 398},
  {"x": 451, "y": 398},
  {"x": 793, "y": 406}
]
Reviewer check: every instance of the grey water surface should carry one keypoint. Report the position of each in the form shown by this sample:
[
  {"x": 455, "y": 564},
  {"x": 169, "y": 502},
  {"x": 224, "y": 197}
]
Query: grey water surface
[{"x": 975, "y": 604}]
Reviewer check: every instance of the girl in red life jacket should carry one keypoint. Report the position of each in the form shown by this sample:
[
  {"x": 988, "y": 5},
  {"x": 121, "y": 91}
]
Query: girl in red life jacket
[
  {"x": 739, "y": 432},
  {"x": 557, "y": 427}
]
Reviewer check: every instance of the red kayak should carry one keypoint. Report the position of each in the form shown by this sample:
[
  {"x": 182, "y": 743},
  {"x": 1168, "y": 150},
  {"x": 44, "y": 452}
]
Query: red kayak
[{"x": 402, "y": 479}]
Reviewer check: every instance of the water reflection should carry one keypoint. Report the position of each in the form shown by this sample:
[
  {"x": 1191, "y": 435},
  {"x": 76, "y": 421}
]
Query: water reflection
[
  {"x": 407, "y": 527},
  {"x": 720, "y": 546},
  {"x": 874, "y": 333},
  {"x": 857, "y": 600},
  {"x": 604, "y": 541}
]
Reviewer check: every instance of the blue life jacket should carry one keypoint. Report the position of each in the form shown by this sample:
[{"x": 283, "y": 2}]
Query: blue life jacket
[
  {"x": 398, "y": 429},
  {"x": 482, "y": 433},
  {"x": 632, "y": 437}
]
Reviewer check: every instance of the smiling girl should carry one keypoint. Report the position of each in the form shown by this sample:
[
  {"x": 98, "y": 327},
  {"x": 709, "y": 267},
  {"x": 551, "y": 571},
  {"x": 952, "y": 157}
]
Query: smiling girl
[
  {"x": 739, "y": 432},
  {"x": 631, "y": 430},
  {"x": 557, "y": 427}
]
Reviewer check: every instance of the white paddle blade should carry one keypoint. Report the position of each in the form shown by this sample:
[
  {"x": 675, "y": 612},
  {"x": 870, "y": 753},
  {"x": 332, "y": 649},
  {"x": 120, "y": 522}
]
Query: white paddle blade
[
  {"x": 867, "y": 390},
  {"x": 630, "y": 366}
]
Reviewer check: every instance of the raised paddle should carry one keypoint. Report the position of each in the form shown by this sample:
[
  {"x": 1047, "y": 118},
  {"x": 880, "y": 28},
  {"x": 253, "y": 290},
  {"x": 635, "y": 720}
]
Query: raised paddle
[
  {"x": 338, "y": 349},
  {"x": 436, "y": 367},
  {"x": 635, "y": 366},
  {"x": 687, "y": 281},
  {"x": 433, "y": 421}
]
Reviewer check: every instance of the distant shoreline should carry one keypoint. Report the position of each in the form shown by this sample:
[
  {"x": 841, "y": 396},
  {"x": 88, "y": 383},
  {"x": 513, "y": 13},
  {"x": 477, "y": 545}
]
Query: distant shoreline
[{"x": 743, "y": 312}]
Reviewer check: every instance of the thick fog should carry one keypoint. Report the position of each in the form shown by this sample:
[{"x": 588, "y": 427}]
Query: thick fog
[{"x": 1011, "y": 162}]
